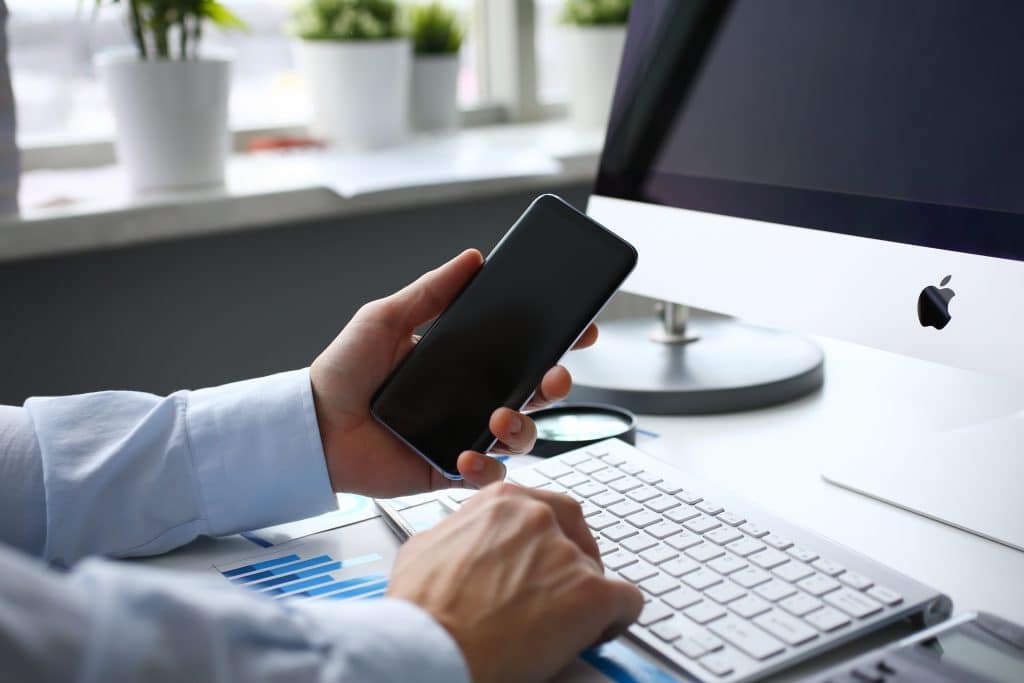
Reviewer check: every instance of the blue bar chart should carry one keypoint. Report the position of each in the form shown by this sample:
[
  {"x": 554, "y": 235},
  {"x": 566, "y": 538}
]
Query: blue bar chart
[{"x": 289, "y": 575}]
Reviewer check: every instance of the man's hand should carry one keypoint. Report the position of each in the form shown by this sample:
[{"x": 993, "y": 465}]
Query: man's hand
[
  {"x": 362, "y": 456},
  {"x": 516, "y": 578}
]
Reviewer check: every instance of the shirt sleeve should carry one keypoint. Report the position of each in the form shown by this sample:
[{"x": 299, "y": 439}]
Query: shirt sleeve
[
  {"x": 108, "y": 621},
  {"x": 129, "y": 473}
]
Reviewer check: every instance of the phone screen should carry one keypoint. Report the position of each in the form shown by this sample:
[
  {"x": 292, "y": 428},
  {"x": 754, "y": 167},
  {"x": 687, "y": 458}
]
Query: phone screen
[{"x": 535, "y": 294}]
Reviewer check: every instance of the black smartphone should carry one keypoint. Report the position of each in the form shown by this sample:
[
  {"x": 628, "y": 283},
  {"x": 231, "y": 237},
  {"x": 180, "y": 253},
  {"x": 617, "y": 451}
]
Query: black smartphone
[{"x": 535, "y": 295}]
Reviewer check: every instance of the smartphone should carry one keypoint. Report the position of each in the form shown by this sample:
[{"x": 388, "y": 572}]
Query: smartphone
[{"x": 535, "y": 295}]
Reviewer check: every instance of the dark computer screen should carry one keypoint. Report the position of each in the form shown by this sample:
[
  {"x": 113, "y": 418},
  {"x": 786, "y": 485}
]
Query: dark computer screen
[{"x": 901, "y": 121}]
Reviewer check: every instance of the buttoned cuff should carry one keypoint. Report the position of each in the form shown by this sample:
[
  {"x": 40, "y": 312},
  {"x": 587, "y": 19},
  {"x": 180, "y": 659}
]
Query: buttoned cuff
[
  {"x": 257, "y": 452},
  {"x": 387, "y": 640}
]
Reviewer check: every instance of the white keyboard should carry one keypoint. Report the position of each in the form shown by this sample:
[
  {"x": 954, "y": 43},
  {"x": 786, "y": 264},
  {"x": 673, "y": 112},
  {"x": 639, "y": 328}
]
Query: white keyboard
[{"x": 731, "y": 593}]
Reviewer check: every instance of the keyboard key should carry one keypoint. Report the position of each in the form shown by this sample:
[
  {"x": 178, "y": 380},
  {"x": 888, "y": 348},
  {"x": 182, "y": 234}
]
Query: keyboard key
[
  {"x": 643, "y": 518},
  {"x": 723, "y": 535},
  {"x": 635, "y": 573},
  {"x": 750, "y": 577},
  {"x": 828, "y": 567},
  {"x": 619, "y": 531},
  {"x": 679, "y": 566},
  {"x": 643, "y": 494},
  {"x": 704, "y": 612},
  {"x": 768, "y": 558},
  {"x": 754, "y": 530},
  {"x": 639, "y": 543},
  {"x": 818, "y": 584},
  {"x": 803, "y": 554},
  {"x": 668, "y": 487},
  {"x": 885, "y": 596},
  {"x": 662, "y": 503},
  {"x": 648, "y": 477},
  {"x": 572, "y": 480},
  {"x": 702, "y": 523},
  {"x": 709, "y": 507},
  {"x": 727, "y": 564},
  {"x": 589, "y": 509},
  {"x": 705, "y": 638},
  {"x": 625, "y": 484},
  {"x": 855, "y": 580},
  {"x": 604, "y": 546},
  {"x": 827, "y": 619},
  {"x": 750, "y": 606},
  {"x": 689, "y": 647},
  {"x": 793, "y": 571},
  {"x": 663, "y": 530},
  {"x": 612, "y": 459},
  {"x": 625, "y": 508},
  {"x": 682, "y": 513},
  {"x": 659, "y": 585},
  {"x": 606, "y": 499},
  {"x": 774, "y": 590},
  {"x": 853, "y": 602},
  {"x": 777, "y": 542},
  {"x": 701, "y": 579},
  {"x": 608, "y": 475},
  {"x": 631, "y": 468},
  {"x": 618, "y": 559},
  {"x": 745, "y": 546},
  {"x": 688, "y": 497},
  {"x": 785, "y": 627},
  {"x": 684, "y": 540},
  {"x": 659, "y": 554},
  {"x": 681, "y": 598},
  {"x": 800, "y": 604},
  {"x": 731, "y": 518},
  {"x": 654, "y": 611},
  {"x": 576, "y": 459},
  {"x": 589, "y": 489},
  {"x": 705, "y": 551},
  {"x": 668, "y": 630},
  {"x": 746, "y": 637},
  {"x": 602, "y": 521},
  {"x": 717, "y": 664},
  {"x": 554, "y": 469},
  {"x": 590, "y": 466},
  {"x": 529, "y": 478},
  {"x": 725, "y": 592}
]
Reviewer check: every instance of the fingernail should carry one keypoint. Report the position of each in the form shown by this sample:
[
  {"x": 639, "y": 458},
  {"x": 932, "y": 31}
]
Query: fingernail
[
  {"x": 479, "y": 463},
  {"x": 515, "y": 425}
]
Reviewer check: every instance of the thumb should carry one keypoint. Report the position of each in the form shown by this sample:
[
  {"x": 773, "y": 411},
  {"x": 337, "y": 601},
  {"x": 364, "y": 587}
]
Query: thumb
[{"x": 431, "y": 293}]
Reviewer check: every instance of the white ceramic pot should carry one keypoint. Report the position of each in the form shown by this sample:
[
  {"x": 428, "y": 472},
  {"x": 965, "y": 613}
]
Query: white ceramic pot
[
  {"x": 359, "y": 90},
  {"x": 594, "y": 54},
  {"x": 171, "y": 118},
  {"x": 434, "y": 80}
]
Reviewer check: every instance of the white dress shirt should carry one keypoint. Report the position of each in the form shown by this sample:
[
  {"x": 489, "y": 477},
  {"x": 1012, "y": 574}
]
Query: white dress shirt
[{"x": 121, "y": 474}]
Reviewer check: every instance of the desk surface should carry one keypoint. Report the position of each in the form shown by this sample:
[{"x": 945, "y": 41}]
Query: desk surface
[{"x": 773, "y": 456}]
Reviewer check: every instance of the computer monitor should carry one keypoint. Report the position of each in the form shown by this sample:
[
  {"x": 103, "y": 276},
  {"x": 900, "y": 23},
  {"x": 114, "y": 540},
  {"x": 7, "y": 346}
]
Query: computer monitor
[{"x": 841, "y": 168}]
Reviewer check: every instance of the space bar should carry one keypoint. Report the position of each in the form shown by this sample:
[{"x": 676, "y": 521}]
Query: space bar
[{"x": 746, "y": 637}]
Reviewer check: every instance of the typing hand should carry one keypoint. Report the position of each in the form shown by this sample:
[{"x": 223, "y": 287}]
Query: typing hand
[
  {"x": 516, "y": 579},
  {"x": 362, "y": 456}
]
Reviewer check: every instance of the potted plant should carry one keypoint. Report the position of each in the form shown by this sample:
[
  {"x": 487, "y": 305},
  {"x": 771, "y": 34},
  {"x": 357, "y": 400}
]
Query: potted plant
[
  {"x": 357, "y": 65},
  {"x": 596, "y": 32},
  {"x": 436, "y": 38},
  {"x": 170, "y": 101}
]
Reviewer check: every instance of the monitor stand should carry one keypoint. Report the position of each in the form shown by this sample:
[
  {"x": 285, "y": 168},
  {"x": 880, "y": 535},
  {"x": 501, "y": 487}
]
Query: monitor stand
[
  {"x": 693, "y": 364},
  {"x": 970, "y": 478}
]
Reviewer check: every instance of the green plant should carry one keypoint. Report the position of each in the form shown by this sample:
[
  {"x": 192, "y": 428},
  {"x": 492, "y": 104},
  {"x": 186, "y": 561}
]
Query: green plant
[
  {"x": 154, "y": 23},
  {"x": 596, "y": 12},
  {"x": 346, "y": 20},
  {"x": 435, "y": 29}
]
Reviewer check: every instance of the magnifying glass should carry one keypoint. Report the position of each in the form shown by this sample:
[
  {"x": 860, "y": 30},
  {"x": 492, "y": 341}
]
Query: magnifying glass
[{"x": 574, "y": 425}]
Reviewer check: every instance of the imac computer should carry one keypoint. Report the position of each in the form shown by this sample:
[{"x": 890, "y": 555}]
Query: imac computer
[{"x": 850, "y": 168}]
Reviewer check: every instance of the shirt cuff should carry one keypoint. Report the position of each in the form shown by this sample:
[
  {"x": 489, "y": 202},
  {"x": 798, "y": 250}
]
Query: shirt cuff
[
  {"x": 387, "y": 640},
  {"x": 257, "y": 452}
]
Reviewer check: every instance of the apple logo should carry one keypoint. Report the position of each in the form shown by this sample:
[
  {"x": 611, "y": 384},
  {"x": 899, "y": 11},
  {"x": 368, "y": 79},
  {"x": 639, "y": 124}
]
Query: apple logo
[{"x": 933, "y": 305}]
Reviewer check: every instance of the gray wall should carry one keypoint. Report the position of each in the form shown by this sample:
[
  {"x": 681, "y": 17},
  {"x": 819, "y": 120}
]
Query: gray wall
[{"x": 197, "y": 312}]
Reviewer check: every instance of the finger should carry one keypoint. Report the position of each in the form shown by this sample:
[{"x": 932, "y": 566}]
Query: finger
[
  {"x": 588, "y": 338},
  {"x": 570, "y": 520},
  {"x": 623, "y": 602},
  {"x": 479, "y": 470},
  {"x": 554, "y": 387},
  {"x": 430, "y": 294},
  {"x": 516, "y": 432}
]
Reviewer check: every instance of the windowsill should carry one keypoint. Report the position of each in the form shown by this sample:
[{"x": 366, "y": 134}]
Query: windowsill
[{"x": 74, "y": 210}]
